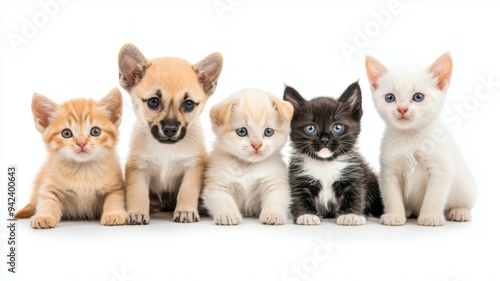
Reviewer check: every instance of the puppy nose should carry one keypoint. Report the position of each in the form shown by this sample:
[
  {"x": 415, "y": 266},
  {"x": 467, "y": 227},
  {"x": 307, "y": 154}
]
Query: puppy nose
[
  {"x": 402, "y": 110},
  {"x": 170, "y": 130}
]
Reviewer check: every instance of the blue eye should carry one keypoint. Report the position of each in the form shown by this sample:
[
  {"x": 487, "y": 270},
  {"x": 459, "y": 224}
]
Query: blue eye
[
  {"x": 310, "y": 129},
  {"x": 390, "y": 98},
  {"x": 418, "y": 97},
  {"x": 337, "y": 128},
  {"x": 95, "y": 131},
  {"x": 241, "y": 131},
  {"x": 268, "y": 132},
  {"x": 153, "y": 103},
  {"x": 189, "y": 105},
  {"x": 66, "y": 133}
]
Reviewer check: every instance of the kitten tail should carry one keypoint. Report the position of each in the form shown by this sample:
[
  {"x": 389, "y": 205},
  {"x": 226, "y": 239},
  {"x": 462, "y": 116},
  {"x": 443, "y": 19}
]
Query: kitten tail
[{"x": 26, "y": 212}]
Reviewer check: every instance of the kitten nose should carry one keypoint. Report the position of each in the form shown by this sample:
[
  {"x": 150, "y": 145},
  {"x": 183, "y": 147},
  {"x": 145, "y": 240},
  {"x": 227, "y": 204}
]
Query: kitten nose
[
  {"x": 256, "y": 146},
  {"x": 170, "y": 130},
  {"x": 324, "y": 139},
  {"x": 402, "y": 110},
  {"x": 81, "y": 143}
]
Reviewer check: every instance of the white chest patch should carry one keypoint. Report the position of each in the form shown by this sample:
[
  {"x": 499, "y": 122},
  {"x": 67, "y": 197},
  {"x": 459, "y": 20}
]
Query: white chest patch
[{"x": 327, "y": 172}]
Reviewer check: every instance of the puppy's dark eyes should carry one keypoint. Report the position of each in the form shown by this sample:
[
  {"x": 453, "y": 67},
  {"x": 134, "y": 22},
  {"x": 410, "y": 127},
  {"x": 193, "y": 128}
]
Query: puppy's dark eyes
[
  {"x": 153, "y": 103},
  {"x": 189, "y": 105}
]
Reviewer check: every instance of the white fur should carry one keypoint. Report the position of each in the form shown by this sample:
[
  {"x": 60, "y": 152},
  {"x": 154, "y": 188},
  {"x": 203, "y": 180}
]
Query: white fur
[
  {"x": 422, "y": 169},
  {"x": 241, "y": 180}
]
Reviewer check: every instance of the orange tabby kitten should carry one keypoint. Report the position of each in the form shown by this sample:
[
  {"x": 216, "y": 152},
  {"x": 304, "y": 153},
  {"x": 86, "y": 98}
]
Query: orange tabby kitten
[{"x": 81, "y": 178}]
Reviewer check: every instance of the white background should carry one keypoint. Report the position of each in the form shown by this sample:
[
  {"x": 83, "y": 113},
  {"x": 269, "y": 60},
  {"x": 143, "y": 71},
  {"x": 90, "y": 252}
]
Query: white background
[{"x": 72, "y": 53}]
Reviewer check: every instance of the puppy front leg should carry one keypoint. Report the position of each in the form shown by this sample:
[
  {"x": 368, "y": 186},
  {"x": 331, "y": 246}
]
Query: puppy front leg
[
  {"x": 186, "y": 209},
  {"x": 137, "y": 194}
]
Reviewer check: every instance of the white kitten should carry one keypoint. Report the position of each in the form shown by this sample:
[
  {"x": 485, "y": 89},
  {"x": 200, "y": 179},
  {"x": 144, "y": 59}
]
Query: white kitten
[
  {"x": 422, "y": 172},
  {"x": 246, "y": 174}
]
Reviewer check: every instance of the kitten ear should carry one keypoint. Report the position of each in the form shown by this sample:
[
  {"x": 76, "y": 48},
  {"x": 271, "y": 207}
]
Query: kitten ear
[
  {"x": 441, "y": 69},
  {"x": 131, "y": 64},
  {"x": 374, "y": 70},
  {"x": 352, "y": 97},
  {"x": 221, "y": 112},
  {"x": 43, "y": 111},
  {"x": 292, "y": 96},
  {"x": 208, "y": 71},
  {"x": 284, "y": 108},
  {"x": 112, "y": 104}
]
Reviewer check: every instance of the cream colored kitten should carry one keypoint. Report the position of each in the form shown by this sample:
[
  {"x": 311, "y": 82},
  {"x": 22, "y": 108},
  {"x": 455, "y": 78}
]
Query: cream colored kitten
[
  {"x": 423, "y": 172},
  {"x": 82, "y": 177},
  {"x": 246, "y": 174}
]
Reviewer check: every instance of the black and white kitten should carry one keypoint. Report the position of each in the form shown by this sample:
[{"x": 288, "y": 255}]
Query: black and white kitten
[{"x": 328, "y": 177}]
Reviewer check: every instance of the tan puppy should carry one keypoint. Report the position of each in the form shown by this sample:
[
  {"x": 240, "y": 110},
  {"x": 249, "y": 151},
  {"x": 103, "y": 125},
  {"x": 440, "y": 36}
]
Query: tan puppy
[{"x": 167, "y": 154}]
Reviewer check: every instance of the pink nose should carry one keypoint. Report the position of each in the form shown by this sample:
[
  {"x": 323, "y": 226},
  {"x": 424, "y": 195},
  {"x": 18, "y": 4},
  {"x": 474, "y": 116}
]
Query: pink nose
[
  {"x": 256, "y": 145},
  {"x": 402, "y": 110},
  {"x": 81, "y": 144}
]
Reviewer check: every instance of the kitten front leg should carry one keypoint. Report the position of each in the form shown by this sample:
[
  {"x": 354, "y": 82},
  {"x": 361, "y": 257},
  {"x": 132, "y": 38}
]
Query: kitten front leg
[
  {"x": 221, "y": 206},
  {"x": 48, "y": 211},
  {"x": 303, "y": 207},
  {"x": 137, "y": 194},
  {"x": 392, "y": 196},
  {"x": 114, "y": 207},
  {"x": 275, "y": 203},
  {"x": 433, "y": 205},
  {"x": 350, "y": 207},
  {"x": 186, "y": 209}
]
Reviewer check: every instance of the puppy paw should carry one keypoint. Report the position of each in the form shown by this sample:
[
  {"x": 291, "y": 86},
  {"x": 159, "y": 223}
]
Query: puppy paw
[
  {"x": 458, "y": 214},
  {"x": 308, "y": 220},
  {"x": 351, "y": 219},
  {"x": 273, "y": 218},
  {"x": 431, "y": 220},
  {"x": 114, "y": 218},
  {"x": 186, "y": 216},
  {"x": 137, "y": 218},
  {"x": 43, "y": 221},
  {"x": 393, "y": 219},
  {"x": 228, "y": 219}
]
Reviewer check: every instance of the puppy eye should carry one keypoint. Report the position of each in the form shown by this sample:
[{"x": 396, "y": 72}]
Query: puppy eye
[
  {"x": 189, "y": 105},
  {"x": 66, "y": 133},
  {"x": 418, "y": 97},
  {"x": 268, "y": 132},
  {"x": 153, "y": 103},
  {"x": 390, "y": 98},
  {"x": 241, "y": 131},
  {"x": 310, "y": 129},
  {"x": 95, "y": 131},
  {"x": 337, "y": 128}
]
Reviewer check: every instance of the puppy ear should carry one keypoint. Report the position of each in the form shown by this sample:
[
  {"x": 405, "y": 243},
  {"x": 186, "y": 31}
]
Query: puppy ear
[
  {"x": 221, "y": 112},
  {"x": 441, "y": 69},
  {"x": 284, "y": 108},
  {"x": 352, "y": 97},
  {"x": 375, "y": 70},
  {"x": 43, "y": 110},
  {"x": 292, "y": 96},
  {"x": 112, "y": 104},
  {"x": 132, "y": 64},
  {"x": 208, "y": 71}
]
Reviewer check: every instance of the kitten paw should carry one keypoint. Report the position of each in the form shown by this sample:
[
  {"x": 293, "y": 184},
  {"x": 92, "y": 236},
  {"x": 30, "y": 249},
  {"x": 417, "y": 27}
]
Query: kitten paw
[
  {"x": 393, "y": 219},
  {"x": 272, "y": 218},
  {"x": 458, "y": 214},
  {"x": 138, "y": 218},
  {"x": 431, "y": 220},
  {"x": 43, "y": 222},
  {"x": 351, "y": 219},
  {"x": 114, "y": 218},
  {"x": 186, "y": 216},
  {"x": 228, "y": 219},
  {"x": 308, "y": 220}
]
